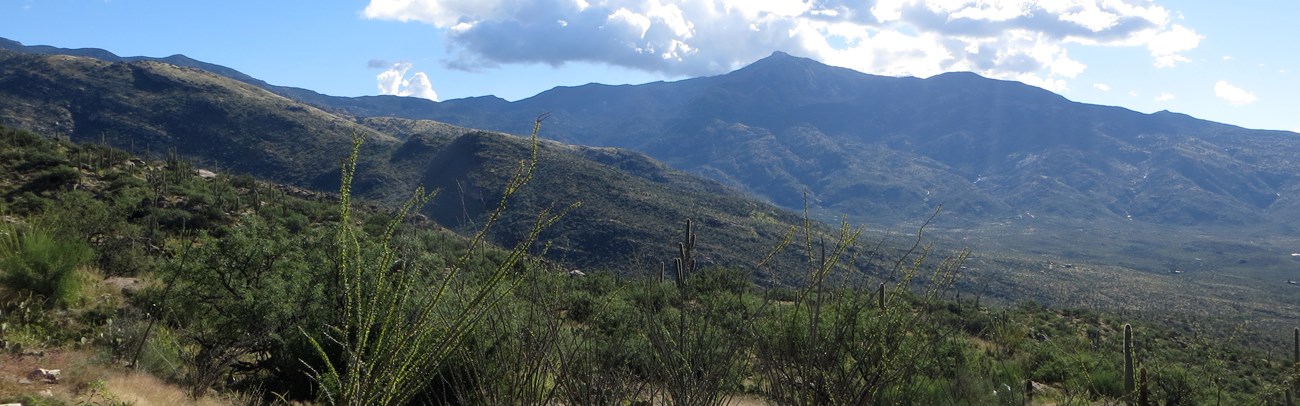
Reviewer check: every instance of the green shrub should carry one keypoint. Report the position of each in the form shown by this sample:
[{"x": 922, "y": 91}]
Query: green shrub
[
  {"x": 28, "y": 203},
  {"x": 52, "y": 179},
  {"x": 1107, "y": 382},
  {"x": 42, "y": 263}
]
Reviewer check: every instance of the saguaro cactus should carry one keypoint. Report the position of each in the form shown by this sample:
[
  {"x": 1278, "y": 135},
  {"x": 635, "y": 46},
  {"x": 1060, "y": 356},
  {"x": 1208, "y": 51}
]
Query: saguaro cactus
[
  {"x": 1144, "y": 391},
  {"x": 880, "y": 296},
  {"x": 1128, "y": 359},
  {"x": 685, "y": 263}
]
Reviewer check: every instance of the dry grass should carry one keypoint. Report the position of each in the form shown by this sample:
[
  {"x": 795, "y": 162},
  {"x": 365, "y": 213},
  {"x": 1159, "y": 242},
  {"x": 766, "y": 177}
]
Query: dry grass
[
  {"x": 15, "y": 367},
  {"x": 142, "y": 389},
  {"x": 87, "y": 380}
]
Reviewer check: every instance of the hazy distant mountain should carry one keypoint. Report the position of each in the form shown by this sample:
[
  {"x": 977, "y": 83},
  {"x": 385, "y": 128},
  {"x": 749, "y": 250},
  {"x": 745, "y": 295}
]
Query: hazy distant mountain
[
  {"x": 632, "y": 207},
  {"x": 882, "y": 147}
]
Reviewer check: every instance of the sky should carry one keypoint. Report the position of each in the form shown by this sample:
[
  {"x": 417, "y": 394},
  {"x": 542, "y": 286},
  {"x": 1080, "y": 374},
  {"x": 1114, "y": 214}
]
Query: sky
[{"x": 1234, "y": 62}]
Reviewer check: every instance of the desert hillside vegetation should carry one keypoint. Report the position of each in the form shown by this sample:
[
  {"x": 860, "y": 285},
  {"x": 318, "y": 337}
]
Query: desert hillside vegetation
[{"x": 116, "y": 268}]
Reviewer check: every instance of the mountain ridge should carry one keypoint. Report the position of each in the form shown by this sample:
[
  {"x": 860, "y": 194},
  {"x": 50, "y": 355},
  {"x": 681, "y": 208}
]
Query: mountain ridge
[
  {"x": 990, "y": 133},
  {"x": 1015, "y": 217},
  {"x": 152, "y": 106},
  {"x": 808, "y": 127}
]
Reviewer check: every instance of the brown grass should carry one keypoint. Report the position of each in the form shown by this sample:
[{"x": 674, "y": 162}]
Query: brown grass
[
  {"x": 142, "y": 389},
  {"x": 88, "y": 380}
]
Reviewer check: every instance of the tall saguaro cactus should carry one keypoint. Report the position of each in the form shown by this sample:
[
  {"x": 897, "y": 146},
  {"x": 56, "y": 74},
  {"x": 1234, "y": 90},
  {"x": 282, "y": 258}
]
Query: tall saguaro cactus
[
  {"x": 1144, "y": 392},
  {"x": 1129, "y": 384},
  {"x": 684, "y": 263},
  {"x": 1295, "y": 352}
]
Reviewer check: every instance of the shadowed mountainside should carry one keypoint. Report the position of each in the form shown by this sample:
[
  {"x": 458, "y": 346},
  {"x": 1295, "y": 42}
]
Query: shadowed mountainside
[
  {"x": 1181, "y": 170},
  {"x": 891, "y": 149},
  {"x": 630, "y": 204},
  {"x": 879, "y": 147}
]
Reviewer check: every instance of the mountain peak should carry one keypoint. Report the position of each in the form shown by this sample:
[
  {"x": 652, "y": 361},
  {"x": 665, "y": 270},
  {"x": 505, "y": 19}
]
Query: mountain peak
[
  {"x": 782, "y": 63},
  {"x": 783, "y": 58}
]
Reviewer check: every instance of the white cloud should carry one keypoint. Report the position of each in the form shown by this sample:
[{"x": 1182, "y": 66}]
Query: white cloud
[
  {"x": 1167, "y": 46},
  {"x": 1233, "y": 94},
  {"x": 1132, "y": 93},
  {"x": 394, "y": 81},
  {"x": 1101, "y": 86},
  {"x": 1009, "y": 39},
  {"x": 1164, "y": 97}
]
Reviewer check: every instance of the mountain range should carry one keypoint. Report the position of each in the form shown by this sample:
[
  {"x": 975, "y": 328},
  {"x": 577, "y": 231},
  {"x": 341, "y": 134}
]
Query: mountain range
[
  {"x": 1026, "y": 176},
  {"x": 629, "y": 223},
  {"x": 890, "y": 149},
  {"x": 893, "y": 148}
]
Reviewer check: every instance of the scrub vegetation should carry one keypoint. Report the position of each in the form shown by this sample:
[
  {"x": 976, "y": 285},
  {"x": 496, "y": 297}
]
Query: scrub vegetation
[{"x": 250, "y": 292}]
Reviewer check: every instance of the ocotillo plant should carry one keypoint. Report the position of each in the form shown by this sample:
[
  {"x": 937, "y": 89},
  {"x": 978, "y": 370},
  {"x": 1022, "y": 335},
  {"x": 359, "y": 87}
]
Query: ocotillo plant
[
  {"x": 392, "y": 330},
  {"x": 1128, "y": 359}
]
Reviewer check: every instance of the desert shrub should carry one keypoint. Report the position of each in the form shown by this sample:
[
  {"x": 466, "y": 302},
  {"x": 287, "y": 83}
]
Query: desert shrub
[
  {"x": 1107, "y": 382},
  {"x": 1175, "y": 385},
  {"x": 243, "y": 181},
  {"x": 43, "y": 263},
  {"x": 173, "y": 220},
  {"x": 28, "y": 204},
  {"x": 54, "y": 178},
  {"x": 1049, "y": 365},
  {"x": 40, "y": 159},
  {"x": 240, "y": 300}
]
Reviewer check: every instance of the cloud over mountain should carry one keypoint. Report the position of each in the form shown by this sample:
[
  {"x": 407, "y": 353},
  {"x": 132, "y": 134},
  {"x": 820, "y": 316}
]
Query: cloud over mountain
[
  {"x": 394, "y": 81},
  {"x": 1011, "y": 39},
  {"x": 1233, "y": 94}
]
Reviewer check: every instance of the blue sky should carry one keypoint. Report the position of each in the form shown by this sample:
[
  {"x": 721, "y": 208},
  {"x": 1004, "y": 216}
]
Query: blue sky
[{"x": 1236, "y": 64}]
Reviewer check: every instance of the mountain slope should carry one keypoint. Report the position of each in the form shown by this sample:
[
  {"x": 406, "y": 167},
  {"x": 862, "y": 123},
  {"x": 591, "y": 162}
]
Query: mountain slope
[
  {"x": 890, "y": 149},
  {"x": 158, "y": 107},
  {"x": 893, "y": 148},
  {"x": 631, "y": 206}
]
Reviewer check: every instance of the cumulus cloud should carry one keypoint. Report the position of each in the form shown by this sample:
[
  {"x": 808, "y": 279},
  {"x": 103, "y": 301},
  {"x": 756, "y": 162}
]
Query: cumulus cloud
[
  {"x": 1011, "y": 39},
  {"x": 1167, "y": 46},
  {"x": 1233, "y": 94},
  {"x": 1101, "y": 86},
  {"x": 394, "y": 81},
  {"x": 1164, "y": 97}
]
